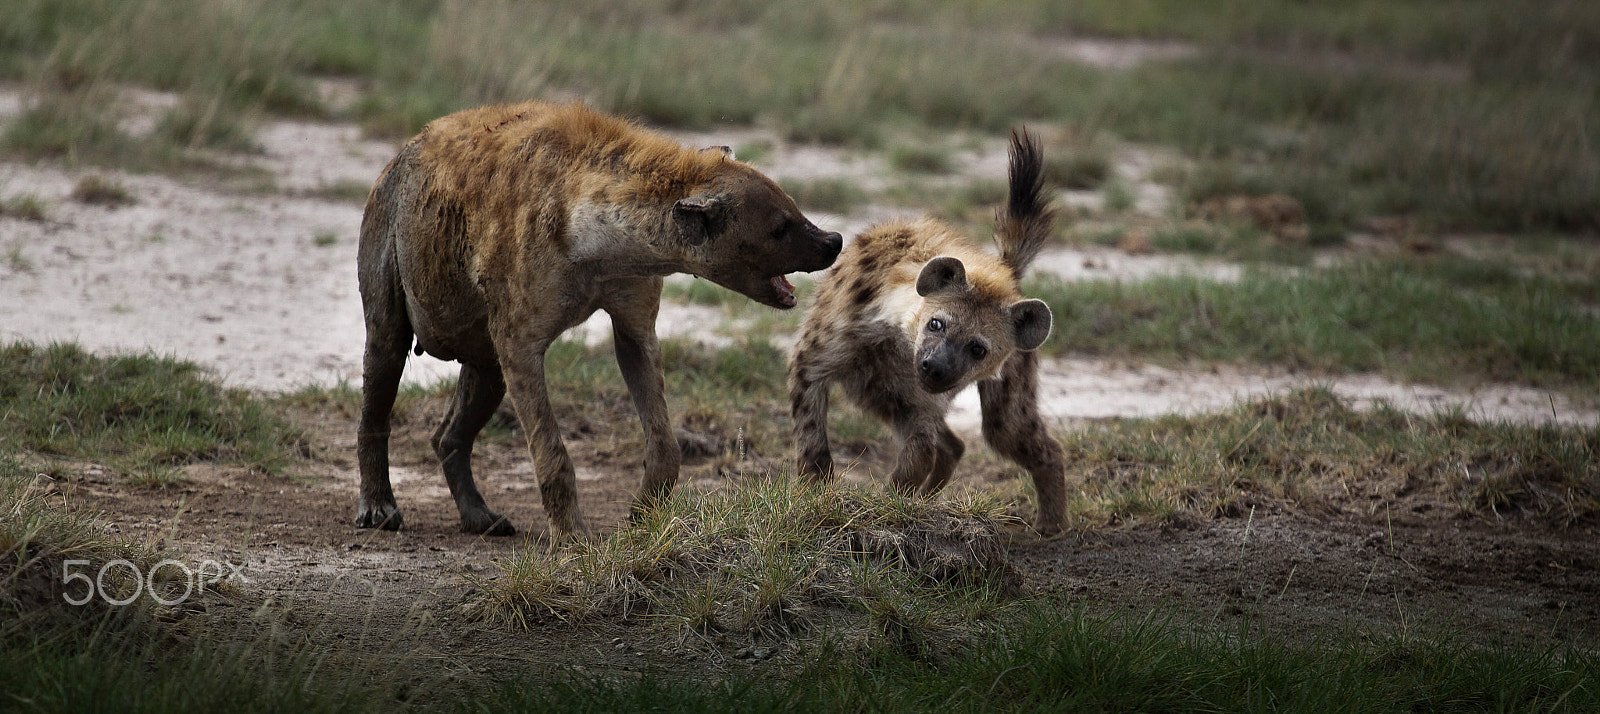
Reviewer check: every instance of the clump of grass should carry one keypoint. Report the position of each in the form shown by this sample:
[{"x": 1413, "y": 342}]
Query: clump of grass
[
  {"x": 343, "y": 190},
  {"x": 753, "y": 152},
  {"x": 700, "y": 292},
  {"x": 39, "y": 532},
  {"x": 207, "y": 123},
  {"x": 324, "y": 239},
  {"x": 142, "y": 414},
  {"x": 1466, "y": 121},
  {"x": 27, "y": 208},
  {"x": 1116, "y": 197},
  {"x": 75, "y": 126},
  {"x": 1078, "y": 171},
  {"x": 1236, "y": 241},
  {"x": 1309, "y": 448},
  {"x": 16, "y": 259},
  {"x": 1392, "y": 316},
  {"x": 920, "y": 158},
  {"x": 774, "y": 556},
  {"x": 1185, "y": 239},
  {"x": 98, "y": 190},
  {"x": 833, "y": 195},
  {"x": 1079, "y": 161}
]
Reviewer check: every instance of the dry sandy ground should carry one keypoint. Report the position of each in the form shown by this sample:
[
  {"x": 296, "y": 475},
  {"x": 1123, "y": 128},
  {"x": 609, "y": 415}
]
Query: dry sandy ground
[{"x": 260, "y": 287}]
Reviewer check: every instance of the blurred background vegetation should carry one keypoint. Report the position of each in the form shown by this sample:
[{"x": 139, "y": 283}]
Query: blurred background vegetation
[{"x": 1469, "y": 115}]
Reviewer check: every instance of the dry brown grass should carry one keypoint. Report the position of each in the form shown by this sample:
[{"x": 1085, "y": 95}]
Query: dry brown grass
[{"x": 774, "y": 557}]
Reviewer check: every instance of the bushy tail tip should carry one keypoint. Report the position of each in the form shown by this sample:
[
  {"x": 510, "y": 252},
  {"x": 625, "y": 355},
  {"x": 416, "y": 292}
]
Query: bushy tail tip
[{"x": 1024, "y": 225}]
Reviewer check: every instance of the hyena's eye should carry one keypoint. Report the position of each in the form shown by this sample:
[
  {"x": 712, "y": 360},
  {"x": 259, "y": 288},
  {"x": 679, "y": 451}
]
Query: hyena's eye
[
  {"x": 936, "y": 325},
  {"x": 977, "y": 350},
  {"x": 777, "y": 233}
]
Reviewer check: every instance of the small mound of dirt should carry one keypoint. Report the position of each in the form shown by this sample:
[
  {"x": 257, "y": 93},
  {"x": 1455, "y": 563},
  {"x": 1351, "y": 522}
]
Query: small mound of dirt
[
  {"x": 772, "y": 558},
  {"x": 946, "y": 550}
]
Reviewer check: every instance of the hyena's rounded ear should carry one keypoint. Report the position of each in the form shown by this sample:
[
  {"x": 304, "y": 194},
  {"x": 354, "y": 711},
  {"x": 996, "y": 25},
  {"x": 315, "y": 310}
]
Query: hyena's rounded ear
[
  {"x": 1030, "y": 320},
  {"x": 698, "y": 218},
  {"x": 941, "y": 274}
]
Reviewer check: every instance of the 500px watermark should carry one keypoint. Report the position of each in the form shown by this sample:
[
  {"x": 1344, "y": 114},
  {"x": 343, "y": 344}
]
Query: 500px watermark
[{"x": 207, "y": 574}]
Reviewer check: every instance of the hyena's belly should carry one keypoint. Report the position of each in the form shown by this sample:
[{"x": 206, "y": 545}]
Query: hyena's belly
[{"x": 446, "y": 311}]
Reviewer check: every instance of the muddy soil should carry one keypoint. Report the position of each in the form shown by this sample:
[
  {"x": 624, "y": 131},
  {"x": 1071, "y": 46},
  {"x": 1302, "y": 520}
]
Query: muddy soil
[{"x": 259, "y": 286}]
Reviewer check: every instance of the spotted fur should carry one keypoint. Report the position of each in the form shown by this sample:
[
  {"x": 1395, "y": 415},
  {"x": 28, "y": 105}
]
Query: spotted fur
[
  {"x": 912, "y": 313},
  {"x": 496, "y": 229}
]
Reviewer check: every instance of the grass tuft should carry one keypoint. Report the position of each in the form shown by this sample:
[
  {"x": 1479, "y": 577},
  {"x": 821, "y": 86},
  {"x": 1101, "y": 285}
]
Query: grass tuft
[
  {"x": 833, "y": 195},
  {"x": 1309, "y": 448},
  {"x": 1406, "y": 318},
  {"x": 144, "y": 415},
  {"x": 27, "y": 208},
  {"x": 774, "y": 557},
  {"x": 920, "y": 158},
  {"x": 98, "y": 190}
]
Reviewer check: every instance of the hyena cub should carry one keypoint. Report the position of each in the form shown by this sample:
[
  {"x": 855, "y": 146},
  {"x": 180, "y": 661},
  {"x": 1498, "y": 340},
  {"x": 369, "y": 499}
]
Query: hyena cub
[{"x": 910, "y": 314}]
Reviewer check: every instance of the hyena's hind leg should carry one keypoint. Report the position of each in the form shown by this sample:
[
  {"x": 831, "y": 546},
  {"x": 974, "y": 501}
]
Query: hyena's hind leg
[
  {"x": 478, "y": 394},
  {"x": 1014, "y": 429},
  {"x": 382, "y": 365},
  {"x": 389, "y": 337}
]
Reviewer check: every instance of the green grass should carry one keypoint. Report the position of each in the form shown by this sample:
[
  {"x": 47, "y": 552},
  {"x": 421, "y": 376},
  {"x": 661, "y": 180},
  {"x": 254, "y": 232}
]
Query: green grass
[
  {"x": 39, "y": 532},
  {"x": 26, "y": 207},
  {"x": 207, "y": 123},
  {"x": 1411, "y": 319},
  {"x": 1363, "y": 108},
  {"x": 141, "y": 414},
  {"x": 1309, "y": 448},
  {"x": 99, "y": 190},
  {"x": 1071, "y": 660},
  {"x": 17, "y": 259},
  {"x": 920, "y": 158},
  {"x": 1116, "y": 197},
  {"x": 73, "y": 126},
  {"x": 836, "y": 567},
  {"x": 775, "y": 557},
  {"x": 833, "y": 195},
  {"x": 345, "y": 191}
]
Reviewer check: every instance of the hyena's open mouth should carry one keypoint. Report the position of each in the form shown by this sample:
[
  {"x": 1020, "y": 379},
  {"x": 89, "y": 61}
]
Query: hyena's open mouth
[{"x": 784, "y": 288}]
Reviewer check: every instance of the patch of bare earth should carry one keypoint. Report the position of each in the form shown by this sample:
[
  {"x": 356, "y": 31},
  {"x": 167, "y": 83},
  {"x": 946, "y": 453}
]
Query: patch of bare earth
[{"x": 260, "y": 287}]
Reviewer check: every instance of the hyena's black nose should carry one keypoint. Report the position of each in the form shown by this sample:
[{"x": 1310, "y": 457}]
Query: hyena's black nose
[
  {"x": 834, "y": 242},
  {"x": 933, "y": 371}
]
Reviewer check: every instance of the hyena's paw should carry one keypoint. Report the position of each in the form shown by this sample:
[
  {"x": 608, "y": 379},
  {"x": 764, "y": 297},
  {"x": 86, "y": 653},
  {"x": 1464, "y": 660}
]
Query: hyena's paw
[
  {"x": 1047, "y": 527},
  {"x": 486, "y": 522},
  {"x": 371, "y": 514}
]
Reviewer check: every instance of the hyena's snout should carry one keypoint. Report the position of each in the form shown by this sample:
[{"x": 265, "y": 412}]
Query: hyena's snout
[{"x": 819, "y": 249}]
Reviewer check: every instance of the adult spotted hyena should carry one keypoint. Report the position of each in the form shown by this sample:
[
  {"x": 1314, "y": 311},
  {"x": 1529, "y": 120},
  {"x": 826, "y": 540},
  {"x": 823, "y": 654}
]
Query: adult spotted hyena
[{"x": 495, "y": 229}]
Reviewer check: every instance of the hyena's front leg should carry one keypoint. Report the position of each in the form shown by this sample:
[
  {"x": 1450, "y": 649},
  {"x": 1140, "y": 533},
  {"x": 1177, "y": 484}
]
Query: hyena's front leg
[
  {"x": 523, "y": 368},
  {"x": 1013, "y": 427},
  {"x": 633, "y": 329},
  {"x": 947, "y": 456},
  {"x": 919, "y": 450},
  {"x": 808, "y": 405}
]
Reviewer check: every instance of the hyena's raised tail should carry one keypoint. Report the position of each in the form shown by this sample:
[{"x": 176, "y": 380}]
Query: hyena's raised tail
[{"x": 1023, "y": 226}]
